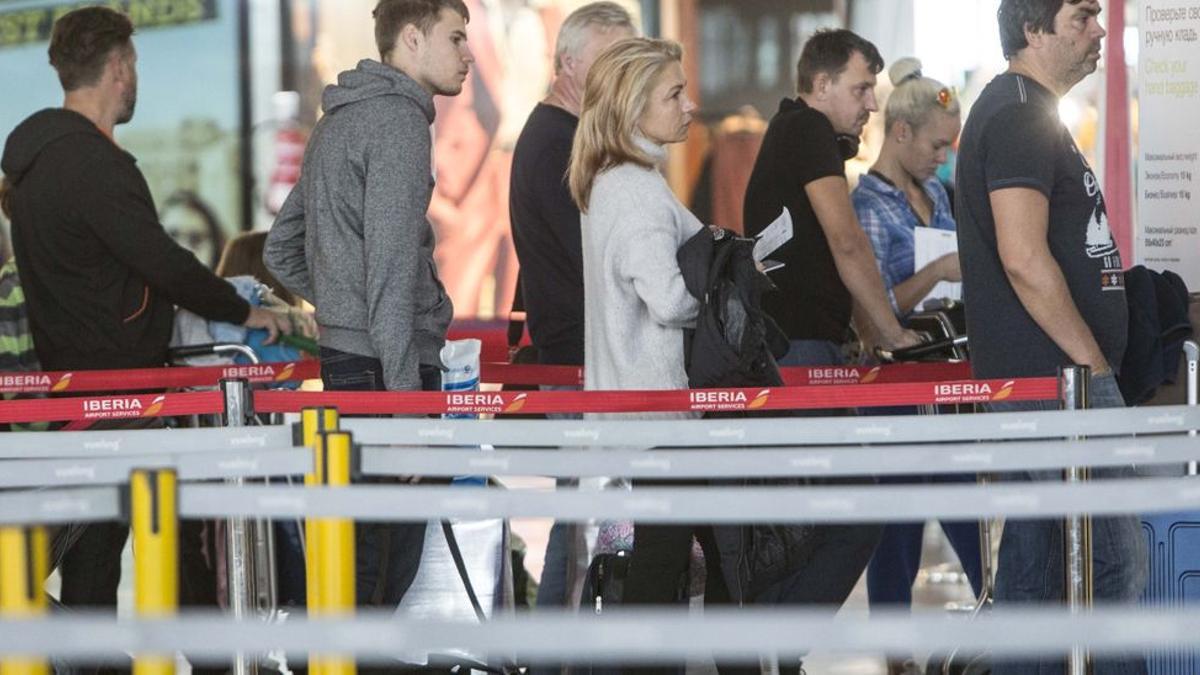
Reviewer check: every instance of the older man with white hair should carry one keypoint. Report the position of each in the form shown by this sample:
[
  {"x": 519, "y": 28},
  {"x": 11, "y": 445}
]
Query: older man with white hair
[{"x": 545, "y": 223}]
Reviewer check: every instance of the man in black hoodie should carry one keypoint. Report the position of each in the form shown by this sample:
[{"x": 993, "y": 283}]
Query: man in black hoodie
[{"x": 101, "y": 276}]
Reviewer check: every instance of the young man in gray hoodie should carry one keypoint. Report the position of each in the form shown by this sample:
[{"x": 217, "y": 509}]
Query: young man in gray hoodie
[{"x": 353, "y": 238}]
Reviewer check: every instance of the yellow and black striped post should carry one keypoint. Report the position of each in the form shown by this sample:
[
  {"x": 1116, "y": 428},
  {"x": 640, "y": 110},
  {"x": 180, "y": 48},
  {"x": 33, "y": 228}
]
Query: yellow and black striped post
[
  {"x": 24, "y": 564},
  {"x": 154, "y": 521},
  {"x": 335, "y": 547},
  {"x": 313, "y": 423}
]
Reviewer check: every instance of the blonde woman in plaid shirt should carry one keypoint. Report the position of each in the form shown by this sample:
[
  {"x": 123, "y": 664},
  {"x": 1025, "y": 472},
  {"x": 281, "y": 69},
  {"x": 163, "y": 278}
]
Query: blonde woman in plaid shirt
[{"x": 900, "y": 194}]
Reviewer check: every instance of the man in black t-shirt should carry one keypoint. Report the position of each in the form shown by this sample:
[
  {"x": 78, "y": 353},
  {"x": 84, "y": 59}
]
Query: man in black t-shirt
[
  {"x": 829, "y": 262},
  {"x": 1042, "y": 277},
  {"x": 545, "y": 224},
  {"x": 545, "y": 220},
  {"x": 829, "y": 265}
]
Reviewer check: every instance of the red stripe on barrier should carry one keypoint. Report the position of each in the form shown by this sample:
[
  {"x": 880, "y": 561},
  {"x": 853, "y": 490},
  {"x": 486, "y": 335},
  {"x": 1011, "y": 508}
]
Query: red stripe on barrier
[
  {"x": 493, "y": 373},
  {"x": 687, "y": 400},
  {"x": 155, "y": 378},
  {"x": 532, "y": 375},
  {"x": 95, "y": 408}
]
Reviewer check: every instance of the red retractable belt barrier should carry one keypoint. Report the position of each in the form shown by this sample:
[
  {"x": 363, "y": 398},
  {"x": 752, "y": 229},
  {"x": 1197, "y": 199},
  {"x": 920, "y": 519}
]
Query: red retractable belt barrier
[
  {"x": 506, "y": 373},
  {"x": 492, "y": 373},
  {"x": 686, "y": 400},
  {"x": 94, "y": 408},
  {"x": 155, "y": 378}
]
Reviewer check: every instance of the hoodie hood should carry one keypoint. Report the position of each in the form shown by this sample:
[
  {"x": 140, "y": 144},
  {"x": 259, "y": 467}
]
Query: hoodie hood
[
  {"x": 38, "y": 131},
  {"x": 372, "y": 79}
]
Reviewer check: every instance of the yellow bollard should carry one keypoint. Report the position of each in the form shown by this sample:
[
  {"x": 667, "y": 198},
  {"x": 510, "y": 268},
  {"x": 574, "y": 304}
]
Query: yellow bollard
[
  {"x": 24, "y": 564},
  {"x": 335, "y": 547},
  {"x": 313, "y": 422},
  {"x": 155, "y": 525}
]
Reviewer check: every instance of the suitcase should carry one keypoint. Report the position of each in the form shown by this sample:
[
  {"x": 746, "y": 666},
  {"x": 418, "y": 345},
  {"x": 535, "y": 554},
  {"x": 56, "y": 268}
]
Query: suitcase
[{"x": 1173, "y": 540}]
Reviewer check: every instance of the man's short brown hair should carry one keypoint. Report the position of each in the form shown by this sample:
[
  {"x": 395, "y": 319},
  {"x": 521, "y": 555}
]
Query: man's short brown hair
[
  {"x": 393, "y": 15},
  {"x": 829, "y": 51},
  {"x": 81, "y": 42}
]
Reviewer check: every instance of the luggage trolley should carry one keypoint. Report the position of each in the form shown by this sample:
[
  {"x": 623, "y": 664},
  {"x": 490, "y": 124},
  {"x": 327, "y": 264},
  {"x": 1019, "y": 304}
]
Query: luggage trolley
[{"x": 250, "y": 554}]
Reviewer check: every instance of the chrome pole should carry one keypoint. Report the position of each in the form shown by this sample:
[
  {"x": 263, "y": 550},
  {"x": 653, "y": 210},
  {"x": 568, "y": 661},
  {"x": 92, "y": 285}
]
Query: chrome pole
[
  {"x": 239, "y": 577},
  {"x": 1077, "y": 528}
]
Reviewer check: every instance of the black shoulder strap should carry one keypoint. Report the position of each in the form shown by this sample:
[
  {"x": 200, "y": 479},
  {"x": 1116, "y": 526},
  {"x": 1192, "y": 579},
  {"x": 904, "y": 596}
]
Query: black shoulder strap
[{"x": 456, "y": 553}]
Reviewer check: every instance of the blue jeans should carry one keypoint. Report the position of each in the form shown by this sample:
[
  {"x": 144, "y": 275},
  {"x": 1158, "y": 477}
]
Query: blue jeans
[
  {"x": 554, "y": 586},
  {"x": 813, "y": 353},
  {"x": 1031, "y": 554},
  {"x": 387, "y": 555},
  {"x": 897, "y": 559}
]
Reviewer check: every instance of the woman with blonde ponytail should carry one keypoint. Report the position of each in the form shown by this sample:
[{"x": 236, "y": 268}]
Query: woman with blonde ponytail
[{"x": 900, "y": 194}]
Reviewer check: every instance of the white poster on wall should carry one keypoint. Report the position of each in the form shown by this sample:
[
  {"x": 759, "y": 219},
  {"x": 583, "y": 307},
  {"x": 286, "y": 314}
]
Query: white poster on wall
[{"x": 1168, "y": 160}]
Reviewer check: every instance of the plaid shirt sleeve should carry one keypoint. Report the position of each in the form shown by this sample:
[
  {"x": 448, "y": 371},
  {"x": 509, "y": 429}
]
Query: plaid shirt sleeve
[{"x": 873, "y": 214}]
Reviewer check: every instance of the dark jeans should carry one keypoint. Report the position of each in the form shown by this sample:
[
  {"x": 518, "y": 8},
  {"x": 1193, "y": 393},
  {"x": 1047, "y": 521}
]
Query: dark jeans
[
  {"x": 91, "y": 572},
  {"x": 387, "y": 555},
  {"x": 897, "y": 560},
  {"x": 90, "y": 566},
  {"x": 1030, "y": 569},
  {"x": 840, "y": 553}
]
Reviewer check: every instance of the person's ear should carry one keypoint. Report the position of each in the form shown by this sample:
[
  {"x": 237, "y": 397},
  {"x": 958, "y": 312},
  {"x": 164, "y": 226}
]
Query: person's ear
[
  {"x": 821, "y": 83},
  {"x": 568, "y": 63},
  {"x": 411, "y": 38},
  {"x": 904, "y": 131},
  {"x": 1033, "y": 37}
]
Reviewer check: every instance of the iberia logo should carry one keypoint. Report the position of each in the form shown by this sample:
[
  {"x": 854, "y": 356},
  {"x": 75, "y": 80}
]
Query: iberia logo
[
  {"x": 63, "y": 383},
  {"x": 517, "y": 404},
  {"x": 871, "y": 375},
  {"x": 971, "y": 392},
  {"x": 1005, "y": 391},
  {"x": 155, "y": 407},
  {"x": 842, "y": 375},
  {"x": 286, "y": 374},
  {"x": 760, "y": 400}
]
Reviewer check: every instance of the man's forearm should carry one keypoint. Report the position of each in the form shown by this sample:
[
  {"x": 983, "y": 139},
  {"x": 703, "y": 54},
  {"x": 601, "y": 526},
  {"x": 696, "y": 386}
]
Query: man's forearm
[
  {"x": 857, "y": 267},
  {"x": 1043, "y": 291}
]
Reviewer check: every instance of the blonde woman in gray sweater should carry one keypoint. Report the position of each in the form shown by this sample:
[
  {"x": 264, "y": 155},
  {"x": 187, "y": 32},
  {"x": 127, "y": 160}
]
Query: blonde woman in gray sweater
[
  {"x": 635, "y": 302},
  {"x": 636, "y": 306}
]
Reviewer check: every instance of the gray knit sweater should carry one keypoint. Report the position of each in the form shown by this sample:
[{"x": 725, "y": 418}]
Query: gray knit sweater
[
  {"x": 635, "y": 302},
  {"x": 353, "y": 238}
]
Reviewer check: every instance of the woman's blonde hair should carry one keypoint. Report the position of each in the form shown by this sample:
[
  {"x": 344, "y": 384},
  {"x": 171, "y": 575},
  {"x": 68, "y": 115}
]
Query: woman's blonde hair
[
  {"x": 914, "y": 96},
  {"x": 614, "y": 98}
]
